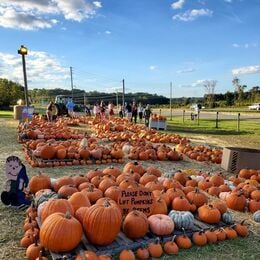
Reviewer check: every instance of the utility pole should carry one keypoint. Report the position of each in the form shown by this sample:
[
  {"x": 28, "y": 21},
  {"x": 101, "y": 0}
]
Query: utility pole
[
  {"x": 71, "y": 83},
  {"x": 123, "y": 98},
  {"x": 171, "y": 99},
  {"x": 116, "y": 98}
]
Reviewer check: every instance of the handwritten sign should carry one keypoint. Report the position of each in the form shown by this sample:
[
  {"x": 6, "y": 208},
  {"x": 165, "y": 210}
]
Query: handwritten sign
[{"x": 141, "y": 199}]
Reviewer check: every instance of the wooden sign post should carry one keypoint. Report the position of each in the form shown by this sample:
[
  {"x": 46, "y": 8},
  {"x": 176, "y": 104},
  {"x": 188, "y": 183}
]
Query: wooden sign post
[{"x": 141, "y": 199}]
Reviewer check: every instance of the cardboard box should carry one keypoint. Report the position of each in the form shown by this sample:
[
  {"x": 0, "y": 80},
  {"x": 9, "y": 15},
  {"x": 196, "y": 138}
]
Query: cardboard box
[
  {"x": 234, "y": 159},
  {"x": 158, "y": 124}
]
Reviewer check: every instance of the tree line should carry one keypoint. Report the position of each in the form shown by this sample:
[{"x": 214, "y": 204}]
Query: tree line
[{"x": 11, "y": 91}]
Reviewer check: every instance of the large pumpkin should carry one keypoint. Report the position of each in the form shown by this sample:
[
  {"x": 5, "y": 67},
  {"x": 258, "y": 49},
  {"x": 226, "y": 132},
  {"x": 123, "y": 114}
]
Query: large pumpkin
[
  {"x": 102, "y": 223},
  {"x": 60, "y": 232},
  {"x": 54, "y": 206},
  {"x": 135, "y": 224}
]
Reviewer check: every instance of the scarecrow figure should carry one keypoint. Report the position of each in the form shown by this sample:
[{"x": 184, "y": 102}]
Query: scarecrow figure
[{"x": 16, "y": 182}]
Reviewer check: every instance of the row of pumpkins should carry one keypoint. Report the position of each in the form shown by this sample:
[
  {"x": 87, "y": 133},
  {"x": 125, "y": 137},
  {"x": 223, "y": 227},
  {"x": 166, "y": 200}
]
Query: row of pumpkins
[
  {"x": 80, "y": 192},
  {"x": 39, "y": 128}
]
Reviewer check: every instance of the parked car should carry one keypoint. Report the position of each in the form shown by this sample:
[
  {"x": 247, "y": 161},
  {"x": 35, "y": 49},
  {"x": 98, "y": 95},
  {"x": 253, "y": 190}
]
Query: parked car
[{"x": 255, "y": 106}]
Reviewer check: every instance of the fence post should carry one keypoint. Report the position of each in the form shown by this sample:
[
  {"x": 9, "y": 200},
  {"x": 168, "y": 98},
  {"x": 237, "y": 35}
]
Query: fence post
[
  {"x": 217, "y": 120},
  {"x": 198, "y": 117},
  {"x": 160, "y": 111},
  {"x": 238, "y": 122},
  {"x": 183, "y": 116}
]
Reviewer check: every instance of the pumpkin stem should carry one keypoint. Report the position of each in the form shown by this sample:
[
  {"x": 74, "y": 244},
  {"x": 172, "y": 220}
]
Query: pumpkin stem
[
  {"x": 67, "y": 215},
  {"x": 107, "y": 204},
  {"x": 173, "y": 238},
  {"x": 35, "y": 238}
]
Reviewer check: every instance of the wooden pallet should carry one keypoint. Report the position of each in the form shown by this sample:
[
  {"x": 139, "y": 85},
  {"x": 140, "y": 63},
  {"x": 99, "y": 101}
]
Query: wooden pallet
[{"x": 121, "y": 242}]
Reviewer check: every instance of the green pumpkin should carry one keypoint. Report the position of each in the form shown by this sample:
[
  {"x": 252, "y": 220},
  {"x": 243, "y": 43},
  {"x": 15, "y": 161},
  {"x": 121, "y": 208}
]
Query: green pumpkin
[
  {"x": 182, "y": 219},
  {"x": 256, "y": 216},
  {"x": 228, "y": 218},
  {"x": 45, "y": 197}
]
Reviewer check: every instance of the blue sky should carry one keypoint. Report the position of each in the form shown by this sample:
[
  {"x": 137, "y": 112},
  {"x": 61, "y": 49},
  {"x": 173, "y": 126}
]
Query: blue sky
[{"x": 149, "y": 43}]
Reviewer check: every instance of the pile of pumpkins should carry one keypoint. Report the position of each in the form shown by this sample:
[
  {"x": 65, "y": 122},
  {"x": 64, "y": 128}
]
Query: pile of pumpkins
[
  {"x": 70, "y": 152},
  {"x": 120, "y": 129},
  {"x": 88, "y": 204},
  {"x": 39, "y": 128},
  {"x": 200, "y": 153}
]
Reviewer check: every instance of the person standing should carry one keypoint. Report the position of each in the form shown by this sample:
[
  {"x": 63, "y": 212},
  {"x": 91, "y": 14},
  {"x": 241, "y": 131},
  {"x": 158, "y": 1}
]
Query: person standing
[
  {"x": 110, "y": 109},
  {"x": 128, "y": 110},
  {"x": 140, "y": 111},
  {"x": 49, "y": 111},
  {"x": 134, "y": 112},
  {"x": 70, "y": 106},
  {"x": 120, "y": 111},
  {"x": 147, "y": 114}
]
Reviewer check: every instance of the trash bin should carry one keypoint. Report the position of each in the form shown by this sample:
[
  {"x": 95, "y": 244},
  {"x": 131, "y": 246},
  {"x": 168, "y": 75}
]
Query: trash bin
[{"x": 18, "y": 109}]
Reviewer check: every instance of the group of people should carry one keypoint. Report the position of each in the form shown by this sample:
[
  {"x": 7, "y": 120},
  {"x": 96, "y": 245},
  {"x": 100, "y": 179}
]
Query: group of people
[{"x": 131, "y": 110}]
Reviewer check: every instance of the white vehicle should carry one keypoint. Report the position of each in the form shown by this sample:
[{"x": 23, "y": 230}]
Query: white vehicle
[{"x": 255, "y": 106}]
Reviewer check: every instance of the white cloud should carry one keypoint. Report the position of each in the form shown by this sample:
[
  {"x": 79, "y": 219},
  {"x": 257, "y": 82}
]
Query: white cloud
[
  {"x": 97, "y": 4},
  {"x": 40, "y": 14},
  {"x": 228, "y": 1},
  {"x": 246, "y": 45},
  {"x": 152, "y": 67},
  {"x": 178, "y": 4},
  {"x": 40, "y": 67},
  {"x": 191, "y": 15},
  {"x": 188, "y": 70},
  {"x": 107, "y": 32},
  {"x": 246, "y": 70}
]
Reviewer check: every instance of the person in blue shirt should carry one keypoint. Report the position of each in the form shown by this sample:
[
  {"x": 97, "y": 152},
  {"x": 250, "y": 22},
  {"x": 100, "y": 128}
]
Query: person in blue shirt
[{"x": 70, "y": 106}]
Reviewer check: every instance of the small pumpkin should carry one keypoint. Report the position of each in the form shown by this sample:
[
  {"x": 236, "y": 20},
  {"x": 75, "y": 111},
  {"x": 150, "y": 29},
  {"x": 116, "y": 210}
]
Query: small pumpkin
[
  {"x": 230, "y": 232},
  {"x": 228, "y": 218},
  {"x": 211, "y": 236},
  {"x": 199, "y": 238},
  {"x": 142, "y": 253},
  {"x": 33, "y": 250},
  {"x": 170, "y": 247},
  {"x": 256, "y": 216},
  {"x": 86, "y": 255},
  {"x": 126, "y": 254},
  {"x": 155, "y": 249},
  {"x": 183, "y": 241},
  {"x": 241, "y": 229}
]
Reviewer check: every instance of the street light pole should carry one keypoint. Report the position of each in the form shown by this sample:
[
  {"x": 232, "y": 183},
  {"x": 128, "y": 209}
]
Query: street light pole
[
  {"x": 23, "y": 52},
  {"x": 171, "y": 99}
]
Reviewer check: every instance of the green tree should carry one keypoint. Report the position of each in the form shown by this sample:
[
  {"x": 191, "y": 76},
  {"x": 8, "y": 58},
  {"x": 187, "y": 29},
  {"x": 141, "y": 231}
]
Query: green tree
[{"x": 10, "y": 93}]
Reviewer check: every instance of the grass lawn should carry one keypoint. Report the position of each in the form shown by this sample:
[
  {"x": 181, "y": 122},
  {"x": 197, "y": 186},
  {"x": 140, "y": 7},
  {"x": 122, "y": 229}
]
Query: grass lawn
[
  {"x": 226, "y": 134},
  {"x": 11, "y": 220}
]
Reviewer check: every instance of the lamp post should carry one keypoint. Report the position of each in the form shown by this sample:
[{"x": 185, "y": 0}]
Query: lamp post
[{"x": 23, "y": 51}]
